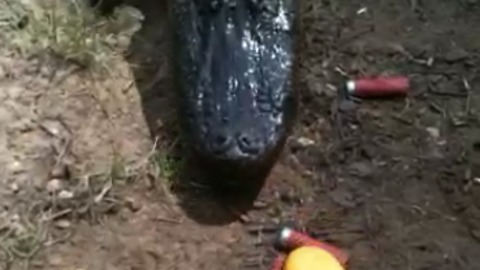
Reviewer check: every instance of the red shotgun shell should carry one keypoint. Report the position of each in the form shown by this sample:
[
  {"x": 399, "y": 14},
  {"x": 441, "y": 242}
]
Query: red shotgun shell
[
  {"x": 380, "y": 86},
  {"x": 278, "y": 262}
]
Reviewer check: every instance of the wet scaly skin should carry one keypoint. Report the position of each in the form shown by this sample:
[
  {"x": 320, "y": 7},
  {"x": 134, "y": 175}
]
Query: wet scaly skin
[{"x": 232, "y": 64}]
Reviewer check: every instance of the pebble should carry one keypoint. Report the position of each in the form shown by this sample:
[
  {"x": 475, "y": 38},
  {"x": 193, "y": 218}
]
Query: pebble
[
  {"x": 307, "y": 174},
  {"x": 260, "y": 205},
  {"x": 305, "y": 142},
  {"x": 133, "y": 204},
  {"x": 55, "y": 260},
  {"x": 51, "y": 127},
  {"x": 60, "y": 171},
  {"x": 16, "y": 167},
  {"x": 14, "y": 187},
  {"x": 63, "y": 224},
  {"x": 54, "y": 185},
  {"x": 55, "y": 128},
  {"x": 65, "y": 195},
  {"x": 244, "y": 218},
  {"x": 434, "y": 132},
  {"x": 456, "y": 55}
]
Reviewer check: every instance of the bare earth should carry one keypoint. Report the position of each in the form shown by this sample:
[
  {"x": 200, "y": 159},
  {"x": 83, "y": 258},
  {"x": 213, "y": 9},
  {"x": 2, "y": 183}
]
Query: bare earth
[{"x": 394, "y": 182}]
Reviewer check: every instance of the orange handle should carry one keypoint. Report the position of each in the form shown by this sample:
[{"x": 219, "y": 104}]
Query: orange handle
[{"x": 292, "y": 239}]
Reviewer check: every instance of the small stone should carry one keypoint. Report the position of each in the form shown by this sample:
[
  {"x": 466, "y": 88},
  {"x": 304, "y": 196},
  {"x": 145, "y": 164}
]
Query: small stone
[
  {"x": 55, "y": 128},
  {"x": 244, "y": 218},
  {"x": 51, "y": 128},
  {"x": 60, "y": 171},
  {"x": 54, "y": 185},
  {"x": 456, "y": 55},
  {"x": 63, "y": 224},
  {"x": 15, "y": 218},
  {"x": 16, "y": 167},
  {"x": 260, "y": 205},
  {"x": 305, "y": 142},
  {"x": 362, "y": 10},
  {"x": 55, "y": 260},
  {"x": 434, "y": 132},
  {"x": 307, "y": 174},
  {"x": 65, "y": 195},
  {"x": 123, "y": 42},
  {"x": 14, "y": 187},
  {"x": 133, "y": 205}
]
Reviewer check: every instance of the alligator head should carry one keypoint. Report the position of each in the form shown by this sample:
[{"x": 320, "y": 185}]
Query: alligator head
[{"x": 232, "y": 64}]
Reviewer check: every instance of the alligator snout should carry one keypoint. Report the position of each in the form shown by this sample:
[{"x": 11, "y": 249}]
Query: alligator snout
[{"x": 246, "y": 146}]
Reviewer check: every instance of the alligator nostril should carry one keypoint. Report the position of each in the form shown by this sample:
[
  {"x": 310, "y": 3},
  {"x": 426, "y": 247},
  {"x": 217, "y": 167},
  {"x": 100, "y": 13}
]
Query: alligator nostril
[
  {"x": 248, "y": 143},
  {"x": 220, "y": 143},
  {"x": 245, "y": 141},
  {"x": 221, "y": 139}
]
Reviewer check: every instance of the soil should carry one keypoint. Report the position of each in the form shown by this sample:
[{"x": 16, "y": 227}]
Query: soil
[{"x": 395, "y": 182}]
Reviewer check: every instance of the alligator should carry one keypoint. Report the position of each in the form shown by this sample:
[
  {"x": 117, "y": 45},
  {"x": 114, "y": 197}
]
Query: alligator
[{"x": 233, "y": 73}]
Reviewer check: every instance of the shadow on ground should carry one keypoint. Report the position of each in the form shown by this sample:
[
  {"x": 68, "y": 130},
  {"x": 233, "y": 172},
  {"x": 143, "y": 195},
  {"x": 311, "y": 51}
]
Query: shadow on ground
[{"x": 150, "y": 67}]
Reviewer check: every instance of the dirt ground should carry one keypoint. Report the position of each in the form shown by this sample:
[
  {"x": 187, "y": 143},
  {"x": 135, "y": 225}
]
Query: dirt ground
[{"x": 395, "y": 182}]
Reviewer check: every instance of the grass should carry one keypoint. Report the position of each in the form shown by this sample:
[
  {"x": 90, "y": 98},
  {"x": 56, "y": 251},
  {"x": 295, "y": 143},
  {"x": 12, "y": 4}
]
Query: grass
[
  {"x": 27, "y": 233},
  {"x": 20, "y": 240},
  {"x": 167, "y": 166},
  {"x": 68, "y": 29}
]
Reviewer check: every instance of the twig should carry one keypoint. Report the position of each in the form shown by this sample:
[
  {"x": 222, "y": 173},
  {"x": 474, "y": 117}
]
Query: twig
[
  {"x": 9, "y": 232},
  {"x": 436, "y": 108},
  {"x": 146, "y": 159},
  {"x": 29, "y": 255},
  {"x": 58, "y": 215},
  {"x": 58, "y": 240},
  {"x": 468, "y": 88},
  {"x": 402, "y": 120},
  {"x": 168, "y": 220},
  {"x": 106, "y": 188},
  {"x": 8, "y": 255},
  {"x": 66, "y": 146}
]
